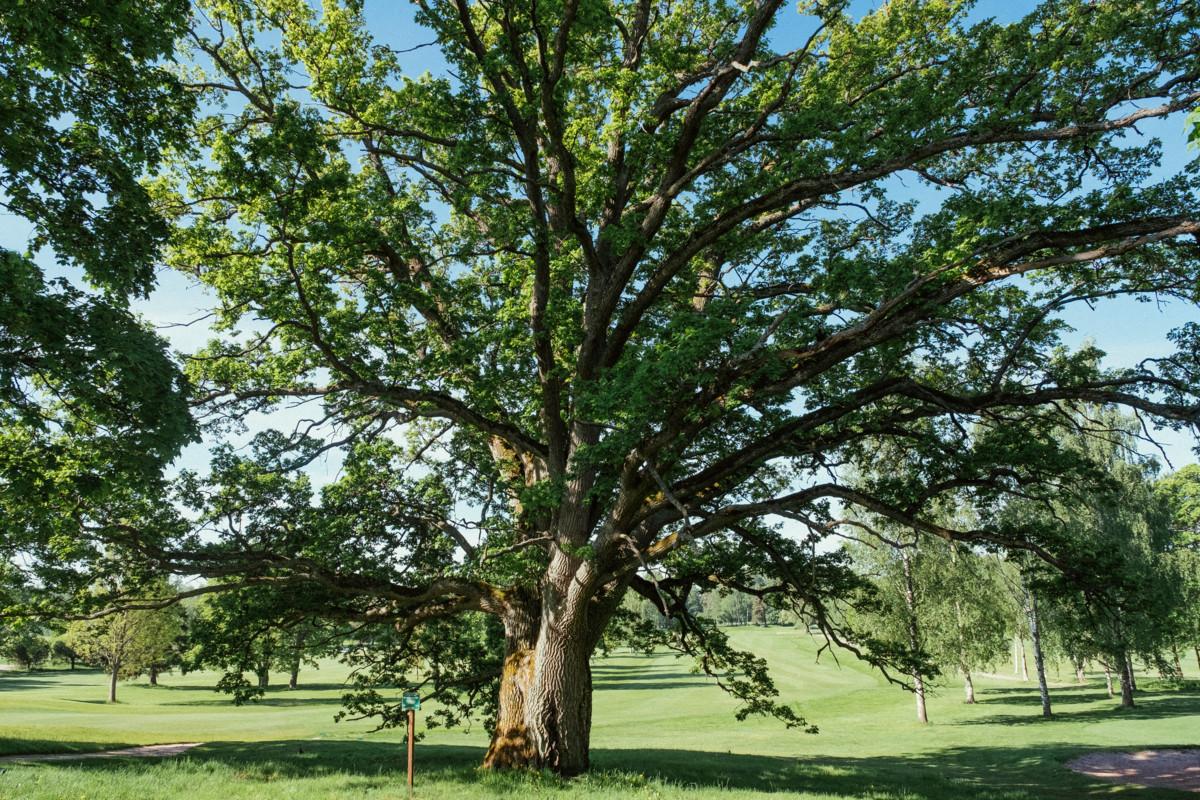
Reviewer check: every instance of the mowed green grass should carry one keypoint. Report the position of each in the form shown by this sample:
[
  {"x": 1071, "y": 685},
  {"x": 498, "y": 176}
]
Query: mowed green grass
[{"x": 659, "y": 732}]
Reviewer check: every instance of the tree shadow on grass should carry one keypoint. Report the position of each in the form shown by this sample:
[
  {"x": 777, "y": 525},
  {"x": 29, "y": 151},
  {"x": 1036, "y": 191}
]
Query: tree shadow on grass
[
  {"x": 646, "y": 679},
  {"x": 279, "y": 696},
  {"x": 44, "y": 679},
  {"x": 621, "y": 686},
  {"x": 1064, "y": 697},
  {"x": 981, "y": 773},
  {"x": 1148, "y": 705},
  {"x": 667, "y": 676},
  {"x": 269, "y": 700},
  {"x": 622, "y": 653},
  {"x": 193, "y": 687},
  {"x": 16, "y": 746},
  {"x": 618, "y": 670}
]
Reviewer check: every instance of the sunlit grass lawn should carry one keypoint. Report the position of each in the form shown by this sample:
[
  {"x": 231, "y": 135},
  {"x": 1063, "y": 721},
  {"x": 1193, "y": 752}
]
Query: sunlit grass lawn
[{"x": 659, "y": 732}]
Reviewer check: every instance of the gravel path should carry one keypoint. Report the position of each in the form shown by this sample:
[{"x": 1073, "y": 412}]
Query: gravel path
[
  {"x": 144, "y": 751},
  {"x": 1172, "y": 769}
]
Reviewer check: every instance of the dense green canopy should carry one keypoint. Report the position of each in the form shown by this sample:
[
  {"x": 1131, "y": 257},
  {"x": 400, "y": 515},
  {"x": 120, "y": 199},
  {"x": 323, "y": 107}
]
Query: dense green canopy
[{"x": 90, "y": 400}]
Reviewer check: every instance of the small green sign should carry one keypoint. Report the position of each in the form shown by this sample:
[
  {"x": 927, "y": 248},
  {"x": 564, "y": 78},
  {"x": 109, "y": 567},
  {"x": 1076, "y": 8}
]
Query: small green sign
[{"x": 411, "y": 701}]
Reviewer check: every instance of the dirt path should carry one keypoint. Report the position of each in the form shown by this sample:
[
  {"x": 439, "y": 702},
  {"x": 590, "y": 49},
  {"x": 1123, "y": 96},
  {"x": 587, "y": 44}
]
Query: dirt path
[
  {"x": 1172, "y": 769},
  {"x": 144, "y": 751}
]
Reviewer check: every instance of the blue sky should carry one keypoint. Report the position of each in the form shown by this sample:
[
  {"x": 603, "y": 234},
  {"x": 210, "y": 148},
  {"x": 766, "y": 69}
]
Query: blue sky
[{"x": 1124, "y": 328}]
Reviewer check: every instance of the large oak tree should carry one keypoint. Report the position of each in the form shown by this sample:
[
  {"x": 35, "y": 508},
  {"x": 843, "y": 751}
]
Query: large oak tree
[{"x": 596, "y": 308}]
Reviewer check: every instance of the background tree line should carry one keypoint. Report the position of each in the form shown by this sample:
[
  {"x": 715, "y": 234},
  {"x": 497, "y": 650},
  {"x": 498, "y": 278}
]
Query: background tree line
[
  {"x": 1129, "y": 593},
  {"x": 225, "y": 633},
  {"x": 957, "y": 609}
]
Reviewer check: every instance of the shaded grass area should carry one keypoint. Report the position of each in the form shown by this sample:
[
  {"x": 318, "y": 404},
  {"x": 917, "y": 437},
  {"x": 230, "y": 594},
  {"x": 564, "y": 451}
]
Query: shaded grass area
[
  {"x": 660, "y": 732},
  {"x": 304, "y": 769}
]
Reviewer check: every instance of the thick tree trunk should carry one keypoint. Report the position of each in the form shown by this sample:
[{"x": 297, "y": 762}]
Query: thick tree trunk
[
  {"x": 1178, "y": 661},
  {"x": 154, "y": 676},
  {"x": 112, "y": 683},
  {"x": 545, "y": 714},
  {"x": 545, "y": 709},
  {"x": 1132, "y": 674},
  {"x": 511, "y": 746},
  {"x": 1038, "y": 658},
  {"x": 559, "y": 709},
  {"x": 1079, "y": 676},
  {"x": 294, "y": 675},
  {"x": 264, "y": 675},
  {"x": 968, "y": 686},
  {"x": 1127, "y": 685}
]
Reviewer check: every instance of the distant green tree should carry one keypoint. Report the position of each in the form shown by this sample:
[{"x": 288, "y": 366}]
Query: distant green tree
[
  {"x": 1031, "y": 613},
  {"x": 895, "y": 566},
  {"x": 20, "y": 638},
  {"x": 1180, "y": 492},
  {"x": 965, "y": 607},
  {"x": 126, "y": 643},
  {"x": 735, "y": 608},
  {"x": 256, "y": 630},
  {"x": 1122, "y": 592},
  {"x": 27, "y": 647},
  {"x": 173, "y": 655},
  {"x": 61, "y": 649}
]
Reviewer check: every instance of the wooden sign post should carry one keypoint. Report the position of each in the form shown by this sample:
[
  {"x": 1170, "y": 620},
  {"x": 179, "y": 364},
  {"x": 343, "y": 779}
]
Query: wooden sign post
[{"x": 411, "y": 703}]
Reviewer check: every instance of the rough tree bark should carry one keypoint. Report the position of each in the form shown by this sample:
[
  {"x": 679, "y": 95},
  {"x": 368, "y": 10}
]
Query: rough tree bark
[
  {"x": 154, "y": 676},
  {"x": 545, "y": 709},
  {"x": 511, "y": 746},
  {"x": 1079, "y": 675},
  {"x": 559, "y": 707},
  {"x": 1132, "y": 673}
]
